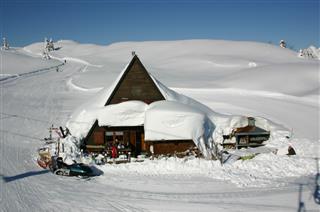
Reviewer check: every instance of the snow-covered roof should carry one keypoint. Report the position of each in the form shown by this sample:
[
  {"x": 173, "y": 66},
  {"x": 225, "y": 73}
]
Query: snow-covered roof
[
  {"x": 176, "y": 118},
  {"x": 170, "y": 120}
]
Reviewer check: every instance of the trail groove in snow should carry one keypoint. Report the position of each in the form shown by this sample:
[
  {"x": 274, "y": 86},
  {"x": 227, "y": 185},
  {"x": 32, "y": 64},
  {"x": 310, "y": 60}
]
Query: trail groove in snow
[
  {"x": 73, "y": 86},
  {"x": 77, "y": 60}
]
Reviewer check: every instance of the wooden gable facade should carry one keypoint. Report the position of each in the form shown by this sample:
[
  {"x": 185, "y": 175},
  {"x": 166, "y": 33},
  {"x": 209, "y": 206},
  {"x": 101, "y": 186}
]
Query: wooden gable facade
[{"x": 134, "y": 84}]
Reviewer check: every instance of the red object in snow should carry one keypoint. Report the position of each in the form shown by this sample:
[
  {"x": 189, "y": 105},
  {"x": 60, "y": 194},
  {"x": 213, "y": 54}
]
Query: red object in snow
[
  {"x": 42, "y": 163},
  {"x": 114, "y": 152}
]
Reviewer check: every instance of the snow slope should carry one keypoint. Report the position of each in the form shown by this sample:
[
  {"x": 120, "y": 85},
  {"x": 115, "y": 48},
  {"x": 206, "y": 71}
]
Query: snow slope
[
  {"x": 239, "y": 78},
  {"x": 15, "y": 62},
  {"x": 213, "y": 62},
  {"x": 245, "y": 68}
]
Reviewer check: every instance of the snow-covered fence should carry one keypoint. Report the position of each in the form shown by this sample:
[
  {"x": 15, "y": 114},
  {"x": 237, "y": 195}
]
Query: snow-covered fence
[{"x": 4, "y": 79}]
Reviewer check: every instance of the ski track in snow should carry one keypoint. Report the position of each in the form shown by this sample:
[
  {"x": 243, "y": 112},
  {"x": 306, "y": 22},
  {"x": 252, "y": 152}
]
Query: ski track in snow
[{"x": 73, "y": 86}]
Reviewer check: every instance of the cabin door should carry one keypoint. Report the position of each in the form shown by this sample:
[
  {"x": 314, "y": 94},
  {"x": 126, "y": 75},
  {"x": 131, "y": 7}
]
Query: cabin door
[
  {"x": 138, "y": 143},
  {"x": 98, "y": 138}
]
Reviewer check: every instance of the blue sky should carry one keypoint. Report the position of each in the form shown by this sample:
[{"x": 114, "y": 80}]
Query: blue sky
[{"x": 104, "y": 22}]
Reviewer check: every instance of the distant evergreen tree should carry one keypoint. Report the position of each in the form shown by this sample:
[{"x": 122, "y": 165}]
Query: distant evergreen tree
[
  {"x": 49, "y": 46},
  {"x": 310, "y": 53},
  {"x": 5, "y": 44},
  {"x": 283, "y": 44}
]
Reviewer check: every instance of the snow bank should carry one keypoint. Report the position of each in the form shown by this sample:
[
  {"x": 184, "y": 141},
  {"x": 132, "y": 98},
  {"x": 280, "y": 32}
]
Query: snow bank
[
  {"x": 287, "y": 79},
  {"x": 262, "y": 171}
]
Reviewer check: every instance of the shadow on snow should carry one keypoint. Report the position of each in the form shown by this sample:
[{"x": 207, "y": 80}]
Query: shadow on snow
[{"x": 8, "y": 179}]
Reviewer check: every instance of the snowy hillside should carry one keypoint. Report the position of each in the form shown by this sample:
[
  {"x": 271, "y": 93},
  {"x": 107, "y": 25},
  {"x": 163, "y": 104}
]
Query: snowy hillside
[
  {"x": 16, "y": 61},
  {"x": 203, "y": 69},
  {"x": 213, "y": 62},
  {"x": 232, "y": 78}
]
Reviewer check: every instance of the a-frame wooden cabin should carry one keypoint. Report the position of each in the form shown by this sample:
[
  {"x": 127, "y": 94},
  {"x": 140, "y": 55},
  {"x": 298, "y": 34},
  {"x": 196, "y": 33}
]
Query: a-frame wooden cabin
[{"x": 134, "y": 84}]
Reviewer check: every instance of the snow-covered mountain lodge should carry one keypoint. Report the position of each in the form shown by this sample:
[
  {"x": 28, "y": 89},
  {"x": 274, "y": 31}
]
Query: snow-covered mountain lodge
[{"x": 140, "y": 112}]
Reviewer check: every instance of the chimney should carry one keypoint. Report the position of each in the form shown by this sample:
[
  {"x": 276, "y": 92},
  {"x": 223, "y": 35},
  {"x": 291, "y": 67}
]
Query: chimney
[{"x": 251, "y": 122}]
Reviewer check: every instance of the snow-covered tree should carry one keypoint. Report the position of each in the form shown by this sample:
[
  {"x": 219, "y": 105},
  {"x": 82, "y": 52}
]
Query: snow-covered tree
[
  {"x": 5, "y": 44},
  {"x": 283, "y": 44},
  {"x": 49, "y": 46},
  {"x": 310, "y": 53},
  {"x": 45, "y": 55}
]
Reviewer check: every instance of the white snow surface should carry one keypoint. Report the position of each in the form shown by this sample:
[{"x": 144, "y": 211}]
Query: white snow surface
[
  {"x": 236, "y": 79},
  {"x": 15, "y": 62},
  {"x": 173, "y": 120}
]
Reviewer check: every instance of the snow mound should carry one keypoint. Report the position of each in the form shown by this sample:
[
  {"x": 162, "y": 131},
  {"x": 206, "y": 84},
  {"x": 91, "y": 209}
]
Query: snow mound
[
  {"x": 272, "y": 78},
  {"x": 262, "y": 171}
]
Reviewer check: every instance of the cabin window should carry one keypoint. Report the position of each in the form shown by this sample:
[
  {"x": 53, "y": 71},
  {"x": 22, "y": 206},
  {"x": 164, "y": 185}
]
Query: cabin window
[{"x": 116, "y": 137}]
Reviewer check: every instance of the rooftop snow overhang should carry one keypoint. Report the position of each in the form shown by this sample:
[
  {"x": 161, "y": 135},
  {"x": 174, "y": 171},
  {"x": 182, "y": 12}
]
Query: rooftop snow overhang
[
  {"x": 162, "y": 120},
  {"x": 169, "y": 120}
]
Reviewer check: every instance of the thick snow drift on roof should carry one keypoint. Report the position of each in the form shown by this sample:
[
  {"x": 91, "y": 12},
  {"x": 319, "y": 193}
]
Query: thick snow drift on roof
[
  {"x": 130, "y": 113},
  {"x": 162, "y": 120},
  {"x": 169, "y": 120},
  {"x": 173, "y": 121},
  {"x": 81, "y": 126}
]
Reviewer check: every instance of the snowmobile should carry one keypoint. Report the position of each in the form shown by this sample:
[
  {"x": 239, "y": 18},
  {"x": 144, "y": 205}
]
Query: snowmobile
[{"x": 58, "y": 167}]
